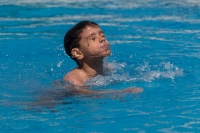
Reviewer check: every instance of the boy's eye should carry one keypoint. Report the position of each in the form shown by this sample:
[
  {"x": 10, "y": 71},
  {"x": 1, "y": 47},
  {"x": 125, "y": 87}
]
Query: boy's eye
[{"x": 93, "y": 38}]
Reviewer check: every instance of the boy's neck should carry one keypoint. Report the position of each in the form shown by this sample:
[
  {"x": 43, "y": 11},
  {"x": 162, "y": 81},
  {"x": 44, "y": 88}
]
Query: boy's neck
[{"x": 92, "y": 68}]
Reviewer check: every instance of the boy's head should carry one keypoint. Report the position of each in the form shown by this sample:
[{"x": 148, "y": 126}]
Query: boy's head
[
  {"x": 86, "y": 40},
  {"x": 72, "y": 37}
]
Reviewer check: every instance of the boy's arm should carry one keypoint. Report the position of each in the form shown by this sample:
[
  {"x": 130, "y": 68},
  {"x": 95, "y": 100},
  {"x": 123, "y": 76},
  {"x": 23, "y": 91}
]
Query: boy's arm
[
  {"x": 54, "y": 96},
  {"x": 83, "y": 90}
]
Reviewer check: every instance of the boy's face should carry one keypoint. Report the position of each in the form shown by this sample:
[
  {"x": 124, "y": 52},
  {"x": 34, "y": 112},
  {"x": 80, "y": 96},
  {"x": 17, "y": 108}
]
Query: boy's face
[{"x": 93, "y": 42}]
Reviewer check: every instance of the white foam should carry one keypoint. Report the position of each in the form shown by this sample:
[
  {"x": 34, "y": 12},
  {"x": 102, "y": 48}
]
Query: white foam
[{"x": 143, "y": 72}]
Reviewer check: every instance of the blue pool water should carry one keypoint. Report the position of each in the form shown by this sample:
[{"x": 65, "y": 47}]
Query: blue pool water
[{"x": 155, "y": 46}]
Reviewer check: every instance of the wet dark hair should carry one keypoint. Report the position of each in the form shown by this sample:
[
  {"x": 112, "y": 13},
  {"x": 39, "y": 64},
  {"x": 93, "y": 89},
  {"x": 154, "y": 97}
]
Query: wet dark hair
[{"x": 72, "y": 37}]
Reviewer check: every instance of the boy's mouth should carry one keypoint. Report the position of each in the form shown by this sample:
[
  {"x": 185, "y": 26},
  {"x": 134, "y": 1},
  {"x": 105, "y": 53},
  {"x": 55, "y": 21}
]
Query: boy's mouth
[{"x": 105, "y": 46}]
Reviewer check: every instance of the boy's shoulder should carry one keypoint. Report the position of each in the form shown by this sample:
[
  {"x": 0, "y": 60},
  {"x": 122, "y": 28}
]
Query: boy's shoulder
[{"x": 74, "y": 77}]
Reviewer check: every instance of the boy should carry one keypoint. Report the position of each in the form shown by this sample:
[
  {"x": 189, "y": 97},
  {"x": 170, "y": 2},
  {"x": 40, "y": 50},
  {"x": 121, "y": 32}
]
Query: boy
[{"x": 86, "y": 44}]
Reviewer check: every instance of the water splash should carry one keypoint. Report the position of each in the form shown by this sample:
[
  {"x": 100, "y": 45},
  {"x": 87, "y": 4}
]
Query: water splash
[
  {"x": 59, "y": 64},
  {"x": 121, "y": 72},
  {"x": 149, "y": 73}
]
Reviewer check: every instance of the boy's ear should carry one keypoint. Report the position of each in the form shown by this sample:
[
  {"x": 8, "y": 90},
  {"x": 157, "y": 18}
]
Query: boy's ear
[{"x": 76, "y": 53}]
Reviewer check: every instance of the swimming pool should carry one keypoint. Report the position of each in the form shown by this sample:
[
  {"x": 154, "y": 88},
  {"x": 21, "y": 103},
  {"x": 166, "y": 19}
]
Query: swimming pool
[{"x": 155, "y": 46}]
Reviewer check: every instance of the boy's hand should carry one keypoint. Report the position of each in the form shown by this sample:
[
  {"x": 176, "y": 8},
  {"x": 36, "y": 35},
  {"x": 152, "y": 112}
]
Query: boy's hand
[{"x": 133, "y": 90}]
